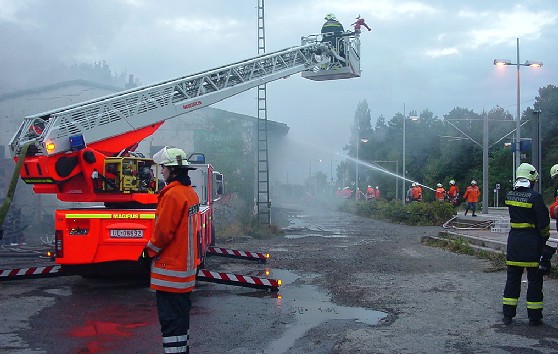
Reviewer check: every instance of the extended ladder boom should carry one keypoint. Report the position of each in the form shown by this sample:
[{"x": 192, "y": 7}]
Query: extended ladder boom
[
  {"x": 132, "y": 110},
  {"x": 81, "y": 152}
]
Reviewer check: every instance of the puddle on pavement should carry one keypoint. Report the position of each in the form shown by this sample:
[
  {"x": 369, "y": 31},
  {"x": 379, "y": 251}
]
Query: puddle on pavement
[{"x": 310, "y": 307}]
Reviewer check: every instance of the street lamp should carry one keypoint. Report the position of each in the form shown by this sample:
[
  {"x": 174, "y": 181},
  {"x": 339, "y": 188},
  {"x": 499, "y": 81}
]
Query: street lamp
[
  {"x": 403, "y": 190},
  {"x": 531, "y": 63}
]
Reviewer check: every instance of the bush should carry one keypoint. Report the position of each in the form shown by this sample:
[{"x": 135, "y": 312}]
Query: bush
[{"x": 416, "y": 213}]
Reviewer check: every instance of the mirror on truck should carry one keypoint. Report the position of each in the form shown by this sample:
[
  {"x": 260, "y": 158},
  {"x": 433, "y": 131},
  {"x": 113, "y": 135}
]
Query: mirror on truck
[{"x": 218, "y": 185}]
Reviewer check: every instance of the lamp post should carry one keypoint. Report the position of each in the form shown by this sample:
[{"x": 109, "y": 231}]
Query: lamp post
[
  {"x": 403, "y": 190},
  {"x": 531, "y": 63},
  {"x": 536, "y": 146}
]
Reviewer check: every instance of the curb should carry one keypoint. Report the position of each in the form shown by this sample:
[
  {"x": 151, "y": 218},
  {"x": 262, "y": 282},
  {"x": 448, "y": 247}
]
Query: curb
[
  {"x": 476, "y": 243},
  {"x": 495, "y": 245}
]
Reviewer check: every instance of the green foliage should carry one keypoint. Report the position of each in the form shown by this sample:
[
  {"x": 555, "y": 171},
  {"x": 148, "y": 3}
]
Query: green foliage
[
  {"x": 416, "y": 213},
  {"x": 451, "y": 147}
]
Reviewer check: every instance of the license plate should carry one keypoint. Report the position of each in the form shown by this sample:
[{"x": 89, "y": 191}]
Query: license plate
[{"x": 126, "y": 233}]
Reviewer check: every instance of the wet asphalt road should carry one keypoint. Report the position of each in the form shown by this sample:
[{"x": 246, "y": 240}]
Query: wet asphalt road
[{"x": 351, "y": 285}]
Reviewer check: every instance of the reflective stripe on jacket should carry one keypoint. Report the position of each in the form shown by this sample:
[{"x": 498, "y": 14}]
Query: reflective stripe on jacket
[
  {"x": 174, "y": 239},
  {"x": 530, "y": 227}
]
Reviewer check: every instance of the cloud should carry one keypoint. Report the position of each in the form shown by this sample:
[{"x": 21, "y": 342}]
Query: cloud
[
  {"x": 442, "y": 52},
  {"x": 491, "y": 29},
  {"x": 519, "y": 22},
  {"x": 13, "y": 12}
]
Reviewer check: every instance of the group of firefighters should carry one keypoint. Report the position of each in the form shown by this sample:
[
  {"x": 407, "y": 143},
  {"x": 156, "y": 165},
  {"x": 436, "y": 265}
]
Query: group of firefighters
[
  {"x": 471, "y": 196},
  {"x": 347, "y": 192}
]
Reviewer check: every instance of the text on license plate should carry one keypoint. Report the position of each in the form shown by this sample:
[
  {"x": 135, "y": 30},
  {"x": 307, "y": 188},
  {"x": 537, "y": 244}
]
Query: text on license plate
[{"x": 126, "y": 233}]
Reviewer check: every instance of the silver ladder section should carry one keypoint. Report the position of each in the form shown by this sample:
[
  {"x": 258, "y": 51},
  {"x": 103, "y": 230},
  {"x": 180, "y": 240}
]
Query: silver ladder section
[
  {"x": 263, "y": 202},
  {"x": 130, "y": 110}
]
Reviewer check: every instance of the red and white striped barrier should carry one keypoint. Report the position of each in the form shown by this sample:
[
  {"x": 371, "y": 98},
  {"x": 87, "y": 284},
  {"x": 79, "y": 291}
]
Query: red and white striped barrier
[
  {"x": 239, "y": 280},
  {"x": 32, "y": 272},
  {"x": 253, "y": 256}
]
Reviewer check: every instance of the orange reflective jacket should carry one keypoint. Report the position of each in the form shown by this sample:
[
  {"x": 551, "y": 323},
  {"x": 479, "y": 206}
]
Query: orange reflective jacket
[
  {"x": 472, "y": 194},
  {"x": 440, "y": 193},
  {"x": 417, "y": 193},
  {"x": 453, "y": 191},
  {"x": 173, "y": 242}
]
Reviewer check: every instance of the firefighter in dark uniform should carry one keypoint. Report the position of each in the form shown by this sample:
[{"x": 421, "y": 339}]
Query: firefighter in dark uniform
[
  {"x": 530, "y": 229},
  {"x": 332, "y": 31}
]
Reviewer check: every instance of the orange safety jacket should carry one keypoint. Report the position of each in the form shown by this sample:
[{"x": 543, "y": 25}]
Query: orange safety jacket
[
  {"x": 417, "y": 193},
  {"x": 472, "y": 194},
  {"x": 173, "y": 243},
  {"x": 453, "y": 191},
  {"x": 440, "y": 193}
]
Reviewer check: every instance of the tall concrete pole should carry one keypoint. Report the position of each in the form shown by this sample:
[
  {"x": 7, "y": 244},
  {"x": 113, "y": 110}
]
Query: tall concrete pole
[{"x": 485, "y": 164}]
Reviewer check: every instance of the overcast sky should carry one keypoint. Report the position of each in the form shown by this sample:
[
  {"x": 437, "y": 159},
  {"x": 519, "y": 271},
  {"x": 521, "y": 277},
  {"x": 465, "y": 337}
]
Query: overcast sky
[{"x": 430, "y": 54}]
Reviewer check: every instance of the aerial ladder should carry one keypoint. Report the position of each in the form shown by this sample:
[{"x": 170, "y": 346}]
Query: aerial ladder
[{"x": 85, "y": 152}]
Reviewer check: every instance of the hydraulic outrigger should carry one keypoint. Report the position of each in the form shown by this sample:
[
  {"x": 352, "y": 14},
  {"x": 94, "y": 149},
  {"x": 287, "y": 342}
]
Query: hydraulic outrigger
[{"x": 206, "y": 275}]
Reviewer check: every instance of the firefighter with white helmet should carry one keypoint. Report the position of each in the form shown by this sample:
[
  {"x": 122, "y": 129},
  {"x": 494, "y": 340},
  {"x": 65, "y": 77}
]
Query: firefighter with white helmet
[
  {"x": 417, "y": 192},
  {"x": 554, "y": 176},
  {"x": 554, "y": 206},
  {"x": 526, "y": 245},
  {"x": 370, "y": 192},
  {"x": 173, "y": 249},
  {"x": 453, "y": 193},
  {"x": 472, "y": 195},
  {"x": 440, "y": 192}
]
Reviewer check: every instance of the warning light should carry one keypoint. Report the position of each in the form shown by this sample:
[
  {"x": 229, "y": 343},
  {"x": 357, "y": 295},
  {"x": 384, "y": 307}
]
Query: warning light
[
  {"x": 50, "y": 147},
  {"x": 267, "y": 255},
  {"x": 267, "y": 272},
  {"x": 279, "y": 282}
]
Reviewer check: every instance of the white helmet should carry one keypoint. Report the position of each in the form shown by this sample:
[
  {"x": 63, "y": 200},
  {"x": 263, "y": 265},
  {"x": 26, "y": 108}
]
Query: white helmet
[
  {"x": 527, "y": 171},
  {"x": 330, "y": 16},
  {"x": 554, "y": 171},
  {"x": 414, "y": 184},
  {"x": 377, "y": 187},
  {"x": 473, "y": 182},
  {"x": 452, "y": 182},
  {"x": 439, "y": 185},
  {"x": 170, "y": 156}
]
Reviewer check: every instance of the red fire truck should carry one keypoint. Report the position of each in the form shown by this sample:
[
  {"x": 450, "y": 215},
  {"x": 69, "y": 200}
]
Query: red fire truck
[{"x": 85, "y": 152}]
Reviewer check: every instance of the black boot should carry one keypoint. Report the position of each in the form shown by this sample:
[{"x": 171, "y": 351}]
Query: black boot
[{"x": 507, "y": 320}]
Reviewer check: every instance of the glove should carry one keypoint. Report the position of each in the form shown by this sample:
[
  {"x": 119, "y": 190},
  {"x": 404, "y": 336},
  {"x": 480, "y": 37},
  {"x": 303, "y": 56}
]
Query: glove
[
  {"x": 144, "y": 257},
  {"x": 544, "y": 264}
]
